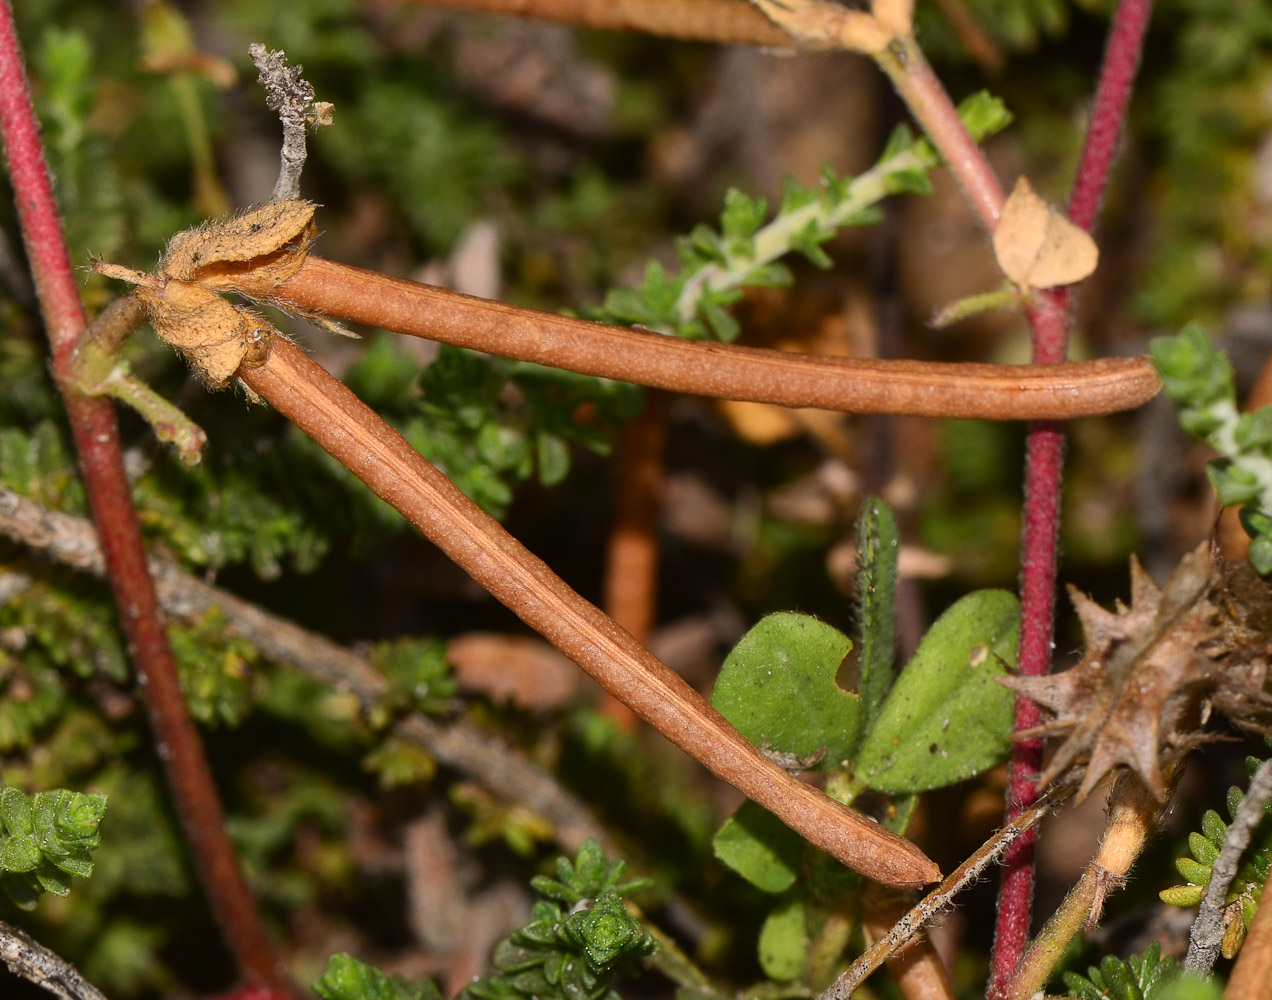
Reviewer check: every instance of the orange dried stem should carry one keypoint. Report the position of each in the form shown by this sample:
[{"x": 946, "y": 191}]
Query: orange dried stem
[
  {"x": 353, "y": 434},
  {"x": 723, "y": 371},
  {"x": 727, "y": 21}
]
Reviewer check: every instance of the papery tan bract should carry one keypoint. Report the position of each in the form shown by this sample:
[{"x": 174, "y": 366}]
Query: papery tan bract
[
  {"x": 217, "y": 252},
  {"x": 1037, "y": 246},
  {"x": 216, "y": 336},
  {"x": 251, "y": 252},
  {"x": 1147, "y": 676}
]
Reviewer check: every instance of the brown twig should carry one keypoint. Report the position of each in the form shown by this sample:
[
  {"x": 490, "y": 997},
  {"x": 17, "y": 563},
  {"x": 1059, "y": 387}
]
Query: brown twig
[
  {"x": 353, "y": 434},
  {"x": 70, "y": 541},
  {"x": 916, "y": 966},
  {"x": 96, "y": 436},
  {"x": 934, "y": 902},
  {"x": 723, "y": 371},
  {"x": 722, "y": 21},
  {"x": 36, "y": 964},
  {"x": 291, "y": 97}
]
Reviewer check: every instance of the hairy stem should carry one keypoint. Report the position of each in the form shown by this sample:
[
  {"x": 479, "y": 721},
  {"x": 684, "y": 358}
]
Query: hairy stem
[
  {"x": 96, "y": 438},
  {"x": 1133, "y": 813},
  {"x": 724, "y": 371},
  {"x": 353, "y": 434},
  {"x": 1044, "y": 471}
]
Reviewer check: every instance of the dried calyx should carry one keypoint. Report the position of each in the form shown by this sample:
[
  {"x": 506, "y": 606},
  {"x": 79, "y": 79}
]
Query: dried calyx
[
  {"x": 1151, "y": 673},
  {"x": 250, "y": 253}
]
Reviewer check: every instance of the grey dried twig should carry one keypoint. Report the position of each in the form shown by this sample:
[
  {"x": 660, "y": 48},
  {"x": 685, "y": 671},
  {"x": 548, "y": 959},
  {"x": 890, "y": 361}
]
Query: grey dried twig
[
  {"x": 35, "y": 963},
  {"x": 1208, "y": 929},
  {"x": 292, "y": 99}
]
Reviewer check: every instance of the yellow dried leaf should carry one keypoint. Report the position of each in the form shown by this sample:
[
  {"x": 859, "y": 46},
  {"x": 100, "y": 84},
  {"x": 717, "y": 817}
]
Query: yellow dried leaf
[
  {"x": 216, "y": 336},
  {"x": 1037, "y": 247},
  {"x": 282, "y": 229}
]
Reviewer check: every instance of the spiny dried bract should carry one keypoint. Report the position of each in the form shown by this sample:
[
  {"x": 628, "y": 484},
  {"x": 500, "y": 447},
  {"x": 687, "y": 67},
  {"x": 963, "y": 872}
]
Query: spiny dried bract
[{"x": 1139, "y": 694}]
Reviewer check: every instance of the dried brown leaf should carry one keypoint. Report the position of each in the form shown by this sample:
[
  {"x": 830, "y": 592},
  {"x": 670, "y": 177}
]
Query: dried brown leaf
[{"x": 1036, "y": 246}]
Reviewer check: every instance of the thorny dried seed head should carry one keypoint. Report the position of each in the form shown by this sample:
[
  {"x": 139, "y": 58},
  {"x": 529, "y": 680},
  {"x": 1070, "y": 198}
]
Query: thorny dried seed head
[{"x": 1152, "y": 672}]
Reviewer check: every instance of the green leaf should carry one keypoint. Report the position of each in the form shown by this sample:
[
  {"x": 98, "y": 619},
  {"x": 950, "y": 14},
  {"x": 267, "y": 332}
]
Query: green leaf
[
  {"x": 946, "y": 719},
  {"x": 877, "y": 548},
  {"x": 16, "y": 811},
  {"x": 348, "y": 979},
  {"x": 783, "y": 944},
  {"x": 984, "y": 114},
  {"x": 778, "y": 688},
  {"x": 21, "y": 854},
  {"x": 760, "y": 847}
]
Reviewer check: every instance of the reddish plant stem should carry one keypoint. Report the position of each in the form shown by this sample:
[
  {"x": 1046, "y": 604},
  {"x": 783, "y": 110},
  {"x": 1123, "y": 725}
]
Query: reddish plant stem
[
  {"x": 1044, "y": 470},
  {"x": 349, "y": 430},
  {"x": 725, "y": 371},
  {"x": 96, "y": 436}
]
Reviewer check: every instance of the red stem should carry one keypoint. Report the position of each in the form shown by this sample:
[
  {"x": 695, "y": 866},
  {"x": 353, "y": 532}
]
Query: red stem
[
  {"x": 1044, "y": 470},
  {"x": 96, "y": 437}
]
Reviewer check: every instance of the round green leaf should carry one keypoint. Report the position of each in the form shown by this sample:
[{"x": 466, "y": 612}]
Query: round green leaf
[
  {"x": 778, "y": 688},
  {"x": 946, "y": 718},
  {"x": 783, "y": 944}
]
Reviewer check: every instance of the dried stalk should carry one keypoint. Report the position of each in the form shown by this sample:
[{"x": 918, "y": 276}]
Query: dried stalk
[
  {"x": 722, "y": 21},
  {"x": 33, "y": 962},
  {"x": 932, "y": 904},
  {"x": 723, "y": 371},
  {"x": 1133, "y": 815},
  {"x": 70, "y": 541},
  {"x": 353, "y": 434}
]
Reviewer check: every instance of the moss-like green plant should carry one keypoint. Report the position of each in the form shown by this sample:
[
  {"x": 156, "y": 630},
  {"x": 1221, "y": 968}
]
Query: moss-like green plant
[
  {"x": 1141, "y": 977},
  {"x": 1246, "y": 888},
  {"x": 1198, "y": 379},
  {"x": 46, "y": 840}
]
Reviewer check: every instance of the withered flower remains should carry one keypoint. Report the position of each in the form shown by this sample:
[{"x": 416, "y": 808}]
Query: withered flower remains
[{"x": 1151, "y": 673}]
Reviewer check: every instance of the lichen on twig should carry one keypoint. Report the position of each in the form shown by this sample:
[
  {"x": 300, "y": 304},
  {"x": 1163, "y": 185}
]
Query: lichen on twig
[{"x": 291, "y": 97}]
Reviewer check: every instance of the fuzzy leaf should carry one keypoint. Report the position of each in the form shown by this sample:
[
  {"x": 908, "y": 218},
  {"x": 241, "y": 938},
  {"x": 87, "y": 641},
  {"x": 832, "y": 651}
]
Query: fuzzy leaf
[
  {"x": 877, "y": 548},
  {"x": 946, "y": 719},
  {"x": 778, "y": 688}
]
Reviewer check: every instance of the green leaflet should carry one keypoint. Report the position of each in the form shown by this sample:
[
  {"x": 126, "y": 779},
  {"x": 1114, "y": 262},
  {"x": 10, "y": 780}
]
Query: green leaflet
[
  {"x": 783, "y": 945},
  {"x": 877, "y": 546},
  {"x": 778, "y": 688},
  {"x": 760, "y": 847},
  {"x": 946, "y": 718}
]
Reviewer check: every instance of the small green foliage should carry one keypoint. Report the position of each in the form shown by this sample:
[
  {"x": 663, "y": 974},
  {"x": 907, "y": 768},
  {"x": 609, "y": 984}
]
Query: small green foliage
[
  {"x": 419, "y": 677},
  {"x": 760, "y": 847},
  {"x": 46, "y": 840},
  {"x": 490, "y": 423},
  {"x": 946, "y": 719},
  {"x": 348, "y": 979},
  {"x": 1198, "y": 380},
  {"x": 1139, "y": 978},
  {"x": 783, "y": 943},
  {"x": 215, "y": 669},
  {"x": 715, "y": 266},
  {"x": 778, "y": 688},
  {"x": 579, "y": 933},
  {"x": 1246, "y": 888}
]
